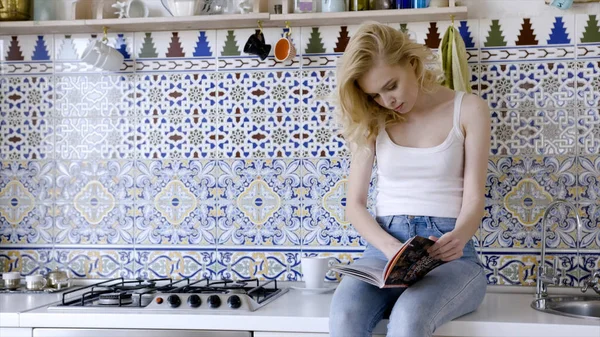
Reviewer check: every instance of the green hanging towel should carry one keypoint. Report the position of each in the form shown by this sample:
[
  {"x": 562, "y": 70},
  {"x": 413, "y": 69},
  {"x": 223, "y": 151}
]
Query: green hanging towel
[{"x": 453, "y": 56}]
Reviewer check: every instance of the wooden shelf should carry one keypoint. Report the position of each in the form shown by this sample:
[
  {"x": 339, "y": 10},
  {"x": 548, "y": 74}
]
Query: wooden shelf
[
  {"x": 355, "y": 18},
  {"x": 151, "y": 24},
  {"x": 205, "y": 22}
]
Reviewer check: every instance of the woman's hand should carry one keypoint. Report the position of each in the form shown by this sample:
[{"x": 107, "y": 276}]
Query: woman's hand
[
  {"x": 392, "y": 248},
  {"x": 449, "y": 246}
]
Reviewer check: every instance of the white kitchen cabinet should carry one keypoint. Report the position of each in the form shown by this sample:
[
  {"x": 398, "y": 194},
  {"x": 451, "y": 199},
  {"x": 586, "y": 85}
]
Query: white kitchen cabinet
[
  {"x": 295, "y": 334},
  {"x": 16, "y": 332}
]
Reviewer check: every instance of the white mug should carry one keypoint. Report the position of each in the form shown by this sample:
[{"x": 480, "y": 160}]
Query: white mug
[
  {"x": 35, "y": 282},
  {"x": 137, "y": 9},
  {"x": 110, "y": 59},
  {"x": 181, "y": 7},
  {"x": 100, "y": 55},
  {"x": 314, "y": 270}
]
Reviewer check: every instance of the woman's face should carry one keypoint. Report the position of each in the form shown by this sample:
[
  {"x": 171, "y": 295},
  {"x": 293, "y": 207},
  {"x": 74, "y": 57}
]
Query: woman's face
[{"x": 393, "y": 87}]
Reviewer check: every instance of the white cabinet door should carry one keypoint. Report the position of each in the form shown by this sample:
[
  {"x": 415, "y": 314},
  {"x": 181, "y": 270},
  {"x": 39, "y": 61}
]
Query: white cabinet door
[
  {"x": 16, "y": 332},
  {"x": 295, "y": 334},
  {"x": 290, "y": 334}
]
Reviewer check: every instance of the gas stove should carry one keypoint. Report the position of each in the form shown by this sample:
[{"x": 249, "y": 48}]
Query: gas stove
[{"x": 166, "y": 294}]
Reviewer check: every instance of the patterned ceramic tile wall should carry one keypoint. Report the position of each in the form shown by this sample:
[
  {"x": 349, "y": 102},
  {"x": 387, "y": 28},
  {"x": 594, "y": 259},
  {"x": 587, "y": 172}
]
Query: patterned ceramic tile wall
[{"x": 199, "y": 160}]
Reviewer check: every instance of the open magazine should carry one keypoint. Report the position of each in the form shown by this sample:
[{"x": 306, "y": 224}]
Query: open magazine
[{"x": 409, "y": 265}]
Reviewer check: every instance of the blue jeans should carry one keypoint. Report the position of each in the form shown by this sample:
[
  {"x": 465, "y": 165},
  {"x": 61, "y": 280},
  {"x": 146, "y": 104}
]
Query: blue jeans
[{"x": 447, "y": 292}]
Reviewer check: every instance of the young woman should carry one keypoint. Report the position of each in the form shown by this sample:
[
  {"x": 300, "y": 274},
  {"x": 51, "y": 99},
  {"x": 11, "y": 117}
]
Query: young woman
[{"x": 431, "y": 145}]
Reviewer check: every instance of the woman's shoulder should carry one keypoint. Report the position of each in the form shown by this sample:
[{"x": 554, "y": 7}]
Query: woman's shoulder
[
  {"x": 474, "y": 111},
  {"x": 472, "y": 102}
]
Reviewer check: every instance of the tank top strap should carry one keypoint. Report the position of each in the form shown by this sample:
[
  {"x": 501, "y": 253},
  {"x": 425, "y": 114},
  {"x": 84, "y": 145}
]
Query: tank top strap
[{"x": 457, "y": 104}]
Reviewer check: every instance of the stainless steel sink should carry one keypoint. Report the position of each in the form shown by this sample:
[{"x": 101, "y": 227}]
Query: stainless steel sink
[{"x": 587, "y": 307}]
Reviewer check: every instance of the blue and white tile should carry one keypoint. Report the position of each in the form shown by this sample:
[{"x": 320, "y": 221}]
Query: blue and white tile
[
  {"x": 518, "y": 39},
  {"x": 588, "y": 131},
  {"x": 173, "y": 94},
  {"x": 22, "y": 222},
  {"x": 230, "y": 46},
  {"x": 175, "y": 263},
  {"x": 95, "y": 263},
  {"x": 26, "y": 215},
  {"x": 318, "y": 86},
  {"x": 27, "y": 261},
  {"x": 26, "y": 139},
  {"x": 324, "y": 222},
  {"x": 533, "y": 132},
  {"x": 259, "y": 92},
  {"x": 590, "y": 262},
  {"x": 176, "y": 202},
  {"x": 589, "y": 211},
  {"x": 88, "y": 222},
  {"x": 323, "y": 46},
  {"x": 94, "y": 138},
  {"x": 589, "y": 200},
  {"x": 95, "y": 182},
  {"x": 259, "y": 202},
  {"x": 187, "y": 51},
  {"x": 528, "y": 86},
  {"x": 432, "y": 33},
  {"x": 283, "y": 92},
  {"x": 69, "y": 50},
  {"x": 260, "y": 136},
  {"x": 588, "y": 84},
  {"x": 27, "y": 54},
  {"x": 243, "y": 264},
  {"x": 517, "y": 193},
  {"x": 27, "y": 96},
  {"x": 520, "y": 268},
  {"x": 588, "y": 36},
  {"x": 31, "y": 182},
  {"x": 322, "y": 137},
  {"x": 94, "y": 95},
  {"x": 176, "y": 137}
]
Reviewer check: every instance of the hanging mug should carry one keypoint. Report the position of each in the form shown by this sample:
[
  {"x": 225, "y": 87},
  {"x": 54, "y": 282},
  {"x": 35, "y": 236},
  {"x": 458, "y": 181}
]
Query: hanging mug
[
  {"x": 284, "y": 48},
  {"x": 256, "y": 45}
]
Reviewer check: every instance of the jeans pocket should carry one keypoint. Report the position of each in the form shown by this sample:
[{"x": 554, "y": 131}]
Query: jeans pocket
[
  {"x": 384, "y": 221},
  {"x": 443, "y": 225}
]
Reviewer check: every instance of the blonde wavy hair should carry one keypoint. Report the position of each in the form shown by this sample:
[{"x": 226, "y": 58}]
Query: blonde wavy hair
[{"x": 357, "y": 114}]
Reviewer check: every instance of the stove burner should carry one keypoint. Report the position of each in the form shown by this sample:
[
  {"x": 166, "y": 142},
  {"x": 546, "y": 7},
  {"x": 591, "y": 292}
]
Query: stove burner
[
  {"x": 115, "y": 299},
  {"x": 184, "y": 293}
]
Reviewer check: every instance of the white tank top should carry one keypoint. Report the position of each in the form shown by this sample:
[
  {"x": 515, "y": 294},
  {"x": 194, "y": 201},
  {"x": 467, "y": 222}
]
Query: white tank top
[{"x": 421, "y": 181}]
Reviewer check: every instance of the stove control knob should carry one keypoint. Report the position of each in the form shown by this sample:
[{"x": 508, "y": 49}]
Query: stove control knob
[
  {"x": 194, "y": 301},
  {"x": 174, "y": 301},
  {"x": 214, "y": 301},
  {"x": 234, "y": 302}
]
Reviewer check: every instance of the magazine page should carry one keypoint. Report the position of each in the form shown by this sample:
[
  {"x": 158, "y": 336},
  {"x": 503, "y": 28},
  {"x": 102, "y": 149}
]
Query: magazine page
[
  {"x": 368, "y": 270},
  {"x": 413, "y": 263}
]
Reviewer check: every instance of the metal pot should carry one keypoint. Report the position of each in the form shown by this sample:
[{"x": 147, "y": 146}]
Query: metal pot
[
  {"x": 57, "y": 279},
  {"x": 16, "y": 10}
]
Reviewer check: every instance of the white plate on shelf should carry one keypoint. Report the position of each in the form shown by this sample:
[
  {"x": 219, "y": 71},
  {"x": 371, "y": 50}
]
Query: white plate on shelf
[{"x": 325, "y": 289}]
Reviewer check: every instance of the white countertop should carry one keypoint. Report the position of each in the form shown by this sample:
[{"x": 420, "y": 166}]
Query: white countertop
[
  {"x": 501, "y": 314},
  {"x": 12, "y": 304}
]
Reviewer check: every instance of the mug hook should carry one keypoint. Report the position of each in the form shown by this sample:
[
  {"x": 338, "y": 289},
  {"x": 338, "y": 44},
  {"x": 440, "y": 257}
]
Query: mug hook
[
  {"x": 289, "y": 30},
  {"x": 260, "y": 26},
  {"x": 105, "y": 37}
]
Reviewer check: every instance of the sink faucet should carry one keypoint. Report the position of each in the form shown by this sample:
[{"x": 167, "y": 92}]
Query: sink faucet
[
  {"x": 593, "y": 281},
  {"x": 544, "y": 276}
]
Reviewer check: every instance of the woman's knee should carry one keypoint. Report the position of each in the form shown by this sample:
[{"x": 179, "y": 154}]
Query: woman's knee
[
  {"x": 355, "y": 309},
  {"x": 408, "y": 322},
  {"x": 347, "y": 320}
]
